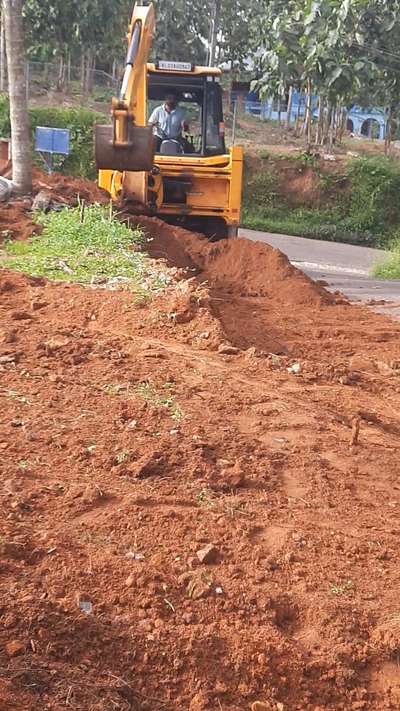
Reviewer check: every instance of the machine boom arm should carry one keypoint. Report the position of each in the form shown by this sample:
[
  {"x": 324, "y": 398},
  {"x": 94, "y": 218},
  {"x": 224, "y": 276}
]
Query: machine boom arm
[{"x": 128, "y": 144}]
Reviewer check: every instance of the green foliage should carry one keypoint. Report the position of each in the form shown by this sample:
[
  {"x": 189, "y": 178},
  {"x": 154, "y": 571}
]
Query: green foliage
[
  {"x": 374, "y": 197},
  {"x": 260, "y": 190},
  {"x": 344, "y": 51},
  {"x": 84, "y": 246},
  {"x": 179, "y": 28},
  {"x": 80, "y": 123},
  {"x": 74, "y": 27},
  {"x": 389, "y": 268},
  {"x": 368, "y": 214}
]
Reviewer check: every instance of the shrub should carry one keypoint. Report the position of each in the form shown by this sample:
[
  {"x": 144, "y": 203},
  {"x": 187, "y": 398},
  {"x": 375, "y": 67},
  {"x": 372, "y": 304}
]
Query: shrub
[
  {"x": 80, "y": 123},
  {"x": 374, "y": 203}
]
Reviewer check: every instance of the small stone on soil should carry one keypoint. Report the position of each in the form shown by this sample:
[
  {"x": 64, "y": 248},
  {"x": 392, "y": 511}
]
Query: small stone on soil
[
  {"x": 14, "y": 648},
  {"x": 208, "y": 554},
  {"x": 226, "y": 349},
  {"x": 130, "y": 581}
]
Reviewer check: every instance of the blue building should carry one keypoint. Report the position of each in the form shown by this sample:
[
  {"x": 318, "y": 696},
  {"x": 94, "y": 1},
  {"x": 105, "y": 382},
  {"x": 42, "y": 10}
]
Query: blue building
[{"x": 368, "y": 122}]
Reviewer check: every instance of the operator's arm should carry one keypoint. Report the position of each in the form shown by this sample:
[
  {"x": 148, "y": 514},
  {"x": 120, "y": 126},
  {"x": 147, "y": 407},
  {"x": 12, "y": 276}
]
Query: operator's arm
[{"x": 154, "y": 117}]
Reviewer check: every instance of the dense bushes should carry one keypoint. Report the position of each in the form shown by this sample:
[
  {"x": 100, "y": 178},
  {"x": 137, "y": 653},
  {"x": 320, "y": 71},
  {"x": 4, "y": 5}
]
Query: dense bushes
[
  {"x": 80, "y": 123},
  {"x": 367, "y": 212}
]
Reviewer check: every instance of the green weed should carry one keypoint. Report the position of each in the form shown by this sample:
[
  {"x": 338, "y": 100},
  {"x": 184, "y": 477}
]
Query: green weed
[
  {"x": 389, "y": 268},
  {"x": 149, "y": 394},
  {"x": 342, "y": 589},
  {"x": 123, "y": 456},
  {"x": 17, "y": 397}
]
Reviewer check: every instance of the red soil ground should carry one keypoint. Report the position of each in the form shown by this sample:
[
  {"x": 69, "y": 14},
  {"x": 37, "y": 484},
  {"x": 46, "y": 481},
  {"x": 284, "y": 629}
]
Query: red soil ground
[{"x": 244, "y": 408}]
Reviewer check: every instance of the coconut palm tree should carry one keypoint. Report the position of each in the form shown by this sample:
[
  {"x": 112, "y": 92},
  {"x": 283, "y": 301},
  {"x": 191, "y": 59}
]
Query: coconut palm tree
[{"x": 16, "y": 65}]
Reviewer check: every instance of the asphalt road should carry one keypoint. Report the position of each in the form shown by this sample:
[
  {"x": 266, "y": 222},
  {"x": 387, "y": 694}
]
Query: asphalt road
[{"x": 344, "y": 267}]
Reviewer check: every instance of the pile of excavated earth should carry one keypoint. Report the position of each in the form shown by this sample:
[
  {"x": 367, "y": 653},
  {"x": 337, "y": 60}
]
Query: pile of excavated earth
[{"x": 199, "y": 496}]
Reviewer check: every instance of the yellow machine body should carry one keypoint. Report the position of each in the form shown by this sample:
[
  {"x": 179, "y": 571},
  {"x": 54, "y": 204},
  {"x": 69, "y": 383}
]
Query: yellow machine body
[{"x": 211, "y": 185}]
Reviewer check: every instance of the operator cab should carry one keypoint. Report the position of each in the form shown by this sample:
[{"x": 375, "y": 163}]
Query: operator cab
[{"x": 199, "y": 94}]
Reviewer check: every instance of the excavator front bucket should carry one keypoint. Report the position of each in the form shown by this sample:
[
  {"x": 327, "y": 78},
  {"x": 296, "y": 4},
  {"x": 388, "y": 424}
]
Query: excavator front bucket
[{"x": 136, "y": 155}]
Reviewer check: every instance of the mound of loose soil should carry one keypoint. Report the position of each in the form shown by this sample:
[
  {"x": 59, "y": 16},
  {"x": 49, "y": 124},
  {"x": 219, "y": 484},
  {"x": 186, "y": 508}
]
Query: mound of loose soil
[
  {"x": 68, "y": 188},
  {"x": 245, "y": 268},
  {"x": 16, "y": 215},
  {"x": 192, "y": 492}
]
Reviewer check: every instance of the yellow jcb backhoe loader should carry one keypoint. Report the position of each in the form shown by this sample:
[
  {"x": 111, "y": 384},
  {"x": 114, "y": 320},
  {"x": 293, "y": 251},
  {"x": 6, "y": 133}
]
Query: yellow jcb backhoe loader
[{"x": 192, "y": 179}]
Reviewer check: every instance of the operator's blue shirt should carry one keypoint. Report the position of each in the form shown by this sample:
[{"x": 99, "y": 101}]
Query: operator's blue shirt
[{"x": 168, "y": 124}]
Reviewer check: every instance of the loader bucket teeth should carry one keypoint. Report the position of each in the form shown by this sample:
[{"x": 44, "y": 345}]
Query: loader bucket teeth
[{"x": 136, "y": 155}]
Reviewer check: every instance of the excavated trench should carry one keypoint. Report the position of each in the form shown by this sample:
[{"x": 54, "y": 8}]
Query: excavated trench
[{"x": 255, "y": 293}]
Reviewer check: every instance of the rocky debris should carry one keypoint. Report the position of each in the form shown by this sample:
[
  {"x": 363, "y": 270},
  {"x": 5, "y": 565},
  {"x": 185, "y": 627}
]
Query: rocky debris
[
  {"x": 37, "y": 305},
  {"x": 42, "y": 201},
  {"x": 208, "y": 554},
  {"x": 130, "y": 581},
  {"x": 8, "y": 335},
  {"x": 21, "y": 315},
  {"x": 200, "y": 702},
  {"x": 229, "y": 479},
  {"x": 9, "y": 358},
  {"x": 53, "y": 345},
  {"x": 92, "y": 494},
  {"x": 14, "y": 648},
  {"x": 295, "y": 369},
  {"x": 362, "y": 363},
  {"x": 150, "y": 465},
  {"x": 227, "y": 349},
  {"x": 384, "y": 368}
]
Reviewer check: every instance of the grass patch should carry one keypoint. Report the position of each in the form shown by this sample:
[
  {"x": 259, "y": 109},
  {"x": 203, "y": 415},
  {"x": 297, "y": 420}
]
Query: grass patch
[
  {"x": 389, "y": 268},
  {"x": 85, "y": 246},
  {"x": 323, "y": 224}
]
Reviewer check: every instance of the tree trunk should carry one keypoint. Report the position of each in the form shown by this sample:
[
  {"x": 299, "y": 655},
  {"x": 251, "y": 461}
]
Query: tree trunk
[
  {"x": 388, "y": 130},
  {"x": 320, "y": 124},
  {"x": 343, "y": 121},
  {"x": 289, "y": 108},
  {"x": 338, "y": 123},
  {"x": 279, "y": 107},
  {"x": 332, "y": 128},
  {"x": 16, "y": 64},
  {"x": 297, "y": 124},
  {"x": 327, "y": 124},
  {"x": 3, "y": 59},
  {"x": 307, "y": 121},
  {"x": 83, "y": 65},
  {"x": 61, "y": 74},
  {"x": 89, "y": 71},
  {"x": 214, "y": 31}
]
